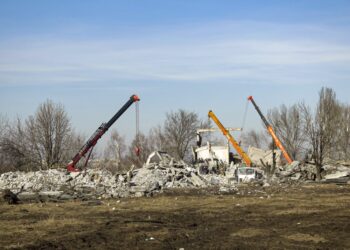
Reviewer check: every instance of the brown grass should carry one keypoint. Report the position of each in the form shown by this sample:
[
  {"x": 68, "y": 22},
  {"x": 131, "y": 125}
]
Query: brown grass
[{"x": 314, "y": 216}]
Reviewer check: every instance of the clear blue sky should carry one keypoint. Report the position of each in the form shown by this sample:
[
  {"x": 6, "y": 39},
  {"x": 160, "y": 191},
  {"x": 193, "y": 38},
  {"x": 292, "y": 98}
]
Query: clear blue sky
[{"x": 198, "y": 55}]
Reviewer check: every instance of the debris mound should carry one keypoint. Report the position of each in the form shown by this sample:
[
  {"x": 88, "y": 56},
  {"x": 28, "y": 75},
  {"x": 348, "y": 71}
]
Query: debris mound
[
  {"x": 161, "y": 172},
  {"x": 155, "y": 176}
]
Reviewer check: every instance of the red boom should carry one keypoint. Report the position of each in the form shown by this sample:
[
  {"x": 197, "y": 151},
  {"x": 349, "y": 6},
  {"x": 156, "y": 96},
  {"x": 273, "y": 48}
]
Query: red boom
[{"x": 98, "y": 134}]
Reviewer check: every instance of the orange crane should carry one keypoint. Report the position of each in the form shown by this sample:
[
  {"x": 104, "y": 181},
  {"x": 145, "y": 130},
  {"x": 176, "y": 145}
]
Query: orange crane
[
  {"x": 271, "y": 131},
  {"x": 226, "y": 133}
]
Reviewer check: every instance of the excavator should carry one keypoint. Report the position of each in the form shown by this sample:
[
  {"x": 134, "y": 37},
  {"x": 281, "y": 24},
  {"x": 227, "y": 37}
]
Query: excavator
[
  {"x": 271, "y": 131},
  {"x": 89, "y": 145},
  {"x": 230, "y": 138}
]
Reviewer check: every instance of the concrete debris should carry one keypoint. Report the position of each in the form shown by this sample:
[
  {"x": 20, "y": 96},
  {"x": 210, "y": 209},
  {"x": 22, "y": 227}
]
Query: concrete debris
[
  {"x": 257, "y": 155},
  {"x": 340, "y": 176},
  {"x": 266, "y": 184},
  {"x": 161, "y": 172},
  {"x": 297, "y": 171},
  {"x": 293, "y": 166}
]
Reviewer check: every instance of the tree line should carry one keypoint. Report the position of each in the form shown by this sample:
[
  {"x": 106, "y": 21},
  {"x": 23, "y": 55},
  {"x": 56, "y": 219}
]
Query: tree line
[
  {"x": 312, "y": 134},
  {"x": 47, "y": 140}
]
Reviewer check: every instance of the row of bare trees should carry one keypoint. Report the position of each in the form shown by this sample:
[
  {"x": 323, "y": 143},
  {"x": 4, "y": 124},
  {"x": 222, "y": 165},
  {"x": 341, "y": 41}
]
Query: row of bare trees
[
  {"x": 314, "y": 133},
  {"x": 175, "y": 136},
  {"x": 47, "y": 140}
]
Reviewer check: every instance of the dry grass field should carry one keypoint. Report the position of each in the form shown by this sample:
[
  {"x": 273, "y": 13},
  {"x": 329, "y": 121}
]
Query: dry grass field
[{"x": 293, "y": 217}]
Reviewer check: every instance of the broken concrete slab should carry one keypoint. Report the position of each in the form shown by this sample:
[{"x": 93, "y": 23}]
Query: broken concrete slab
[
  {"x": 296, "y": 176},
  {"x": 257, "y": 155},
  {"x": 336, "y": 175}
]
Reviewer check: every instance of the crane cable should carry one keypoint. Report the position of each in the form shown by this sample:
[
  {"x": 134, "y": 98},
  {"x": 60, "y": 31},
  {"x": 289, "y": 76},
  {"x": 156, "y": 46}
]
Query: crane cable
[
  {"x": 244, "y": 121},
  {"x": 137, "y": 136}
]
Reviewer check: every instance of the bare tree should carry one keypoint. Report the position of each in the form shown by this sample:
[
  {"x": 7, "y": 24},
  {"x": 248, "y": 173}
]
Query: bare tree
[
  {"x": 256, "y": 139},
  {"x": 288, "y": 125},
  {"x": 74, "y": 143},
  {"x": 48, "y": 132},
  {"x": 14, "y": 148},
  {"x": 115, "y": 149},
  {"x": 215, "y": 138},
  {"x": 343, "y": 146},
  {"x": 321, "y": 126},
  {"x": 157, "y": 138},
  {"x": 2, "y": 132},
  {"x": 180, "y": 132},
  {"x": 3, "y": 125},
  {"x": 42, "y": 141},
  {"x": 139, "y": 150},
  {"x": 5, "y": 162}
]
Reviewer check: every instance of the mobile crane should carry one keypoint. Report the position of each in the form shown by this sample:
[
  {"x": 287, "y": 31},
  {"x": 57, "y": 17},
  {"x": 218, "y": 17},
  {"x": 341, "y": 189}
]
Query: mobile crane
[
  {"x": 226, "y": 133},
  {"x": 271, "y": 131},
  {"x": 89, "y": 145}
]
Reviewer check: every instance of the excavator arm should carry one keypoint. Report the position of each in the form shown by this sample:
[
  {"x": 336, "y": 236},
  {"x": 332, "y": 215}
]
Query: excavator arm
[
  {"x": 226, "y": 133},
  {"x": 88, "y": 146},
  {"x": 271, "y": 131}
]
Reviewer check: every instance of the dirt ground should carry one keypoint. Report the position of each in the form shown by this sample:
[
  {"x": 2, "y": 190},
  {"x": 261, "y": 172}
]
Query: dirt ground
[{"x": 280, "y": 217}]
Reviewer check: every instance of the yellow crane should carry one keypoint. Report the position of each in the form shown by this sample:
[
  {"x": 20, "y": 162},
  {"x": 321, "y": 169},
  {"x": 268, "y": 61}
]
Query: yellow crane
[{"x": 230, "y": 138}]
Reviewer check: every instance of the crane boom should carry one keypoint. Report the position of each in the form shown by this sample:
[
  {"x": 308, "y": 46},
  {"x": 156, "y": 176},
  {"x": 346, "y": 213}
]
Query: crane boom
[
  {"x": 98, "y": 134},
  {"x": 226, "y": 133},
  {"x": 271, "y": 131}
]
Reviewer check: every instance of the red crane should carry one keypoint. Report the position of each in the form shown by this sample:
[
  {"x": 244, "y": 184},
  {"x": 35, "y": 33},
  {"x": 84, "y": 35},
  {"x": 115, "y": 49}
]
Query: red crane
[{"x": 89, "y": 145}]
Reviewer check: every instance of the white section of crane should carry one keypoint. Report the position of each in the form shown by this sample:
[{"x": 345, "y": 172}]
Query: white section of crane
[{"x": 205, "y": 130}]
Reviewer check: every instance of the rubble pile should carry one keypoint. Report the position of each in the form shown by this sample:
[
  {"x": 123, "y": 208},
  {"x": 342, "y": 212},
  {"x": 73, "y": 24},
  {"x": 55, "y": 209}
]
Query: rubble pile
[
  {"x": 153, "y": 177},
  {"x": 160, "y": 172},
  {"x": 338, "y": 172},
  {"x": 297, "y": 171}
]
